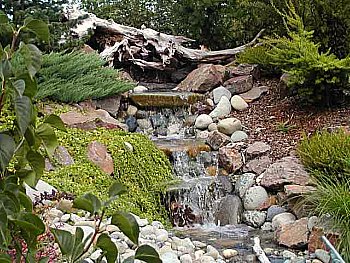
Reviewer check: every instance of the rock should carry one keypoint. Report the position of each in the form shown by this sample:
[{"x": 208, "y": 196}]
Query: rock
[
  {"x": 254, "y": 197},
  {"x": 202, "y": 79},
  {"x": 323, "y": 255},
  {"x": 140, "y": 89},
  {"x": 142, "y": 114},
  {"x": 202, "y": 135},
  {"x": 225, "y": 183},
  {"x": 294, "y": 235},
  {"x": 254, "y": 94},
  {"x": 41, "y": 187},
  {"x": 174, "y": 129},
  {"x": 129, "y": 146},
  {"x": 206, "y": 259},
  {"x": 132, "y": 110},
  {"x": 203, "y": 121},
  {"x": 220, "y": 92},
  {"x": 254, "y": 218},
  {"x": 229, "y": 253},
  {"x": 91, "y": 120},
  {"x": 257, "y": 149},
  {"x": 244, "y": 182},
  {"x": 257, "y": 165},
  {"x": 210, "y": 102},
  {"x": 65, "y": 205},
  {"x": 212, "y": 252},
  {"x": 229, "y": 211},
  {"x": 245, "y": 69},
  {"x": 274, "y": 210},
  {"x": 165, "y": 99},
  {"x": 97, "y": 154},
  {"x": 298, "y": 190},
  {"x": 288, "y": 254},
  {"x": 212, "y": 127},
  {"x": 238, "y": 103},
  {"x": 48, "y": 165},
  {"x": 222, "y": 109},
  {"x": 217, "y": 139},
  {"x": 238, "y": 85},
  {"x": 186, "y": 242},
  {"x": 313, "y": 220},
  {"x": 283, "y": 219},
  {"x": 65, "y": 218},
  {"x": 186, "y": 258},
  {"x": 288, "y": 170},
  {"x": 238, "y": 136},
  {"x": 267, "y": 226},
  {"x": 110, "y": 104},
  {"x": 230, "y": 159},
  {"x": 229, "y": 126},
  {"x": 144, "y": 124},
  {"x": 316, "y": 261},
  {"x": 62, "y": 156},
  {"x": 131, "y": 122},
  {"x": 159, "y": 120},
  {"x": 169, "y": 257}
]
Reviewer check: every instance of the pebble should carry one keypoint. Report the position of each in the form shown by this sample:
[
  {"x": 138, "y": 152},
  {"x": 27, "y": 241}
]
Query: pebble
[
  {"x": 238, "y": 103},
  {"x": 132, "y": 110},
  {"x": 288, "y": 254},
  {"x": 203, "y": 121},
  {"x": 229, "y": 253},
  {"x": 322, "y": 255},
  {"x": 238, "y": 136},
  {"x": 212, "y": 127},
  {"x": 186, "y": 258},
  {"x": 212, "y": 252},
  {"x": 229, "y": 126},
  {"x": 140, "y": 89}
]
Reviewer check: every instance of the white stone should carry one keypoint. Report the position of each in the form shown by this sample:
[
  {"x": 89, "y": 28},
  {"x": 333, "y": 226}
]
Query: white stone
[
  {"x": 229, "y": 126},
  {"x": 140, "y": 89},
  {"x": 238, "y": 103},
  {"x": 212, "y": 127},
  {"x": 199, "y": 244},
  {"x": 169, "y": 257},
  {"x": 229, "y": 253},
  {"x": 288, "y": 254},
  {"x": 75, "y": 218},
  {"x": 254, "y": 197},
  {"x": 65, "y": 218},
  {"x": 238, "y": 136},
  {"x": 244, "y": 182},
  {"x": 198, "y": 254},
  {"x": 147, "y": 231},
  {"x": 222, "y": 109},
  {"x": 267, "y": 226},
  {"x": 254, "y": 218},
  {"x": 96, "y": 254},
  {"x": 202, "y": 135},
  {"x": 220, "y": 92},
  {"x": 157, "y": 224},
  {"x": 129, "y": 146},
  {"x": 132, "y": 110},
  {"x": 282, "y": 219},
  {"x": 186, "y": 258},
  {"x": 203, "y": 121},
  {"x": 85, "y": 223},
  {"x": 162, "y": 234},
  {"x": 212, "y": 252},
  {"x": 206, "y": 259}
]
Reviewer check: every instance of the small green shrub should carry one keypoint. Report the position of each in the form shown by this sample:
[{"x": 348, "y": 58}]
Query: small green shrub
[
  {"x": 326, "y": 154},
  {"x": 76, "y": 77},
  {"x": 144, "y": 171}
]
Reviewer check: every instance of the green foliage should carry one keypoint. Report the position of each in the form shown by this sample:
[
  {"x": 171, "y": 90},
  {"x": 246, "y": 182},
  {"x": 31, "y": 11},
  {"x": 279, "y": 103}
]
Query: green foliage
[
  {"x": 76, "y": 77},
  {"x": 145, "y": 171},
  {"x": 327, "y": 154},
  {"x": 74, "y": 247}
]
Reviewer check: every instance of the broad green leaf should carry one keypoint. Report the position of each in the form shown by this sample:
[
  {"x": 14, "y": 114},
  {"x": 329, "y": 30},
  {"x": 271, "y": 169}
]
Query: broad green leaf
[
  {"x": 10, "y": 202},
  {"x": 37, "y": 162},
  {"x": 55, "y": 122},
  {"x": 130, "y": 259},
  {"x": 127, "y": 224},
  {"x": 105, "y": 243},
  {"x": 148, "y": 254},
  {"x": 87, "y": 202},
  {"x": 3, "y": 18},
  {"x": 28, "y": 176},
  {"x": 5, "y": 69},
  {"x": 116, "y": 189},
  {"x": 78, "y": 244},
  {"x": 65, "y": 241},
  {"x": 30, "y": 84},
  {"x": 32, "y": 57},
  {"x": 24, "y": 112},
  {"x": 4, "y": 258},
  {"x": 48, "y": 137},
  {"x": 19, "y": 86},
  {"x": 4, "y": 232},
  {"x": 7, "y": 149},
  {"x": 31, "y": 138},
  {"x": 39, "y": 28},
  {"x": 25, "y": 201}
]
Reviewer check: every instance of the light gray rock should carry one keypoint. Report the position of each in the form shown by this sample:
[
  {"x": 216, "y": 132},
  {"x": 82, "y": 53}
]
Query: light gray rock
[
  {"x": 198, "y": 254},
  {"x": 238, "y": 103},
  {"x": 203, "y": 121},
  {"x": 157, "y": 224},
  {"x": 210, "y": 102},
  {"x": 199, "y": 244},
  {"x": 229, "y": 126},
  {"x": 170, "y": 257},
  {"x": 212, "y": 252},
  {"x": 140, "y": 89},
  {"x": 212, "y": 127},
  {"x": 220, "y": 92},
  {"x": 206, "y": 259},
  {"x": 254, "y": 197},
  {"x": 144, "y": 124},
  {"x": 41, "y": 187},
  {"x": 186, "y": 258},
  {"x": 129, "y": 146},
  {"x": 254, "y": 218},
  {"x": 238, "y": 136},
  {"x": 322, "y": 255},
  {"x": 162, "y": 235},
  {"x": 202, "y": 135},
  {"x": 222, "y": 109},
  {"x": 289, "y": 254},
  {"x": 282, "y": 219},
  {"x": 96, "y": 254},
  {"x": 254, "y": 93},
  {"x": 229, "y": 253},
  {"x": 229, "y": 211},
  {"x": 63, "y": 157},
  {"x": 65, "y": 218},
  {"x": 313, "y": 221},
  {"x": 257, "y": 149},
  {"x": 244, "y": 182},
  {"x": 267, "y": 226},
  {"x": 274, "y": 210}
]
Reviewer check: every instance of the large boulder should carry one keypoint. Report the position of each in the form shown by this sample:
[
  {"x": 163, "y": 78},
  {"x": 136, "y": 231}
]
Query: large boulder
[
  {"x": 230, "y": 159},
  {"x": 238, "y": 85},
  {"x": 97, "y": 154},
  {"x": 257, "y": 149},
  {"x": 202, "y": 79},
  {"x": 294, "y": 235},
  {"x": 254, "y": 197},
  {"x": 288, "y": 170},
  {"x": 229, "y": 211}
]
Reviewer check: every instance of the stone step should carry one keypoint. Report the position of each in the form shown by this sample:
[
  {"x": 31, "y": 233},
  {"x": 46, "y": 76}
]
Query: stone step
[
  {"x": 167, "y": 99},
  {"x": 191, "y": 146}
]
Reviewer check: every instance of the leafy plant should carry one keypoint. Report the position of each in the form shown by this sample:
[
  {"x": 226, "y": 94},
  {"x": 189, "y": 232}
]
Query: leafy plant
[
  {"x": 77, "y": 76},
  {"x": 23, "y": 140},
  {"x": 74, "y": 247}
]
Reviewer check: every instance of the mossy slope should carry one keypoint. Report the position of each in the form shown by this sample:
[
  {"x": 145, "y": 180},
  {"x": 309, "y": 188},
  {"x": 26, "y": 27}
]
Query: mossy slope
[{"x": 145, "y": 171}]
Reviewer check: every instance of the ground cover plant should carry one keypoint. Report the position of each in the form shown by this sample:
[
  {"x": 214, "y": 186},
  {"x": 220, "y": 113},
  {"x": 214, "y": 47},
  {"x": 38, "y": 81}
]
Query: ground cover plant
[
  {"x": 144, "y": 171},
  {"x": 77, "y": 76}
]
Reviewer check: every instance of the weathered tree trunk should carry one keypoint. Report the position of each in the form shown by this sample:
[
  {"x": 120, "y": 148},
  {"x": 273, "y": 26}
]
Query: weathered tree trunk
[{"x": 147, "y": 48}]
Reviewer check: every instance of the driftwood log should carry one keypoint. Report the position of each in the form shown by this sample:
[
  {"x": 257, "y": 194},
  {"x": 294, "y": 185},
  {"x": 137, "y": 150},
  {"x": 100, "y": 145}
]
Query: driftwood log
[{"x": 146, "y": 48}]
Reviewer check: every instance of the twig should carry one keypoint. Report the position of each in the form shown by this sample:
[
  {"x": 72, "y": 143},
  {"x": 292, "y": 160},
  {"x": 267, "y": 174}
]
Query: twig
[{"x": 259, "y": 252}]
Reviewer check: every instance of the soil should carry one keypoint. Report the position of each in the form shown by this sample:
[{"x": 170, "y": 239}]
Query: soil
[{"x": 281, "y": 122}]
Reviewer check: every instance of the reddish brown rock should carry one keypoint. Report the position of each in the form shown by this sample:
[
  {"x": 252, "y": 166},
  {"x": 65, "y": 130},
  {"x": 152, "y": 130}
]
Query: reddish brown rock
[
  {"x": 97, "y": 154},
  {"x": 238, "y": 85},
  {"x": 288, "y": 170},
  {"x": 257, "y": 149},
  {"x": 254, "y": 94},
  {"x": 91, "y": 120},
  {"x": 110, "y": 104},
  {"x": 245, "y": 69},
  {"x": 202, "y": 79},
  {"x": 272, "y": 200},
  {"x": 258, "y": 165},
  {"x": 315, "y": 240},
  {"x": 230, "y": 159},
  {"x": 293, "y": 235},
  {"x": 217, "y": 139},
  {"x": 62, "y": 156},
  {"x": 297, "y": 190}
]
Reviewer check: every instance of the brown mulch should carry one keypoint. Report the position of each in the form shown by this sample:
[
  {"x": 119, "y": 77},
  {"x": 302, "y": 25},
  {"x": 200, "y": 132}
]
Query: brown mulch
[{"x": 281, "y": 123}]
